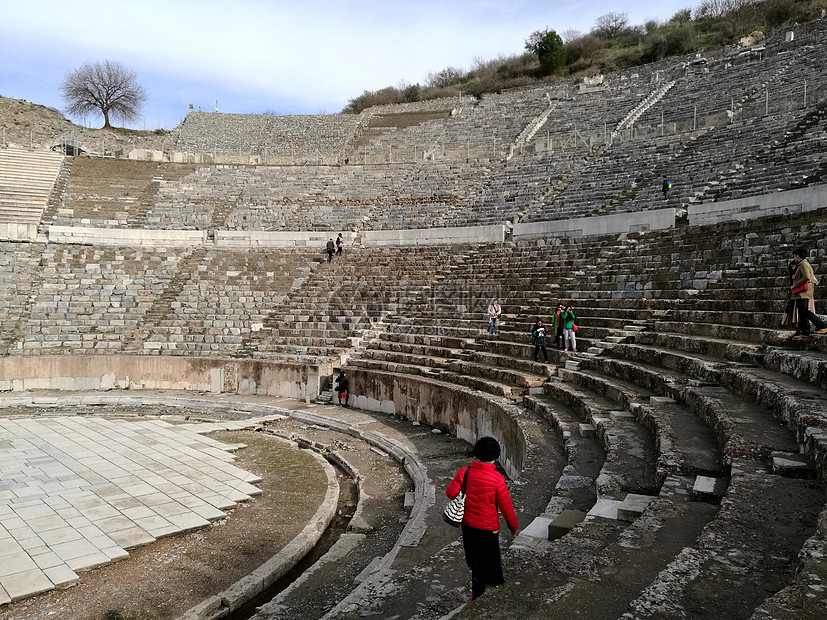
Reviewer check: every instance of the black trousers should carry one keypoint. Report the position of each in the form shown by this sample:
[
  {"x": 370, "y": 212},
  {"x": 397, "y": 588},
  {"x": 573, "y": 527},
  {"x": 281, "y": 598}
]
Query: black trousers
[
  {"x": 805, "y": 317},
  {"x": 482, "y": 554},
  {"x": 537, "y": 347}
]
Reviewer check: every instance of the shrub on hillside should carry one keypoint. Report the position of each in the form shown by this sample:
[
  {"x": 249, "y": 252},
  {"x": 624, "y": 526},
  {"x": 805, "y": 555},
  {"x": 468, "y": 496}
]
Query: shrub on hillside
[
  {"x": 588, "y": 47},
  {"x": 447, "y": 77},
  {"x": 412, "y": 93}
]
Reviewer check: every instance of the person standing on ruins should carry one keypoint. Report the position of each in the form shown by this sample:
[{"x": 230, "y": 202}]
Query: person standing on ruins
[
  {"x": 494, "y": 312},
  {"x": 539, "y": 335},
  {"x": 342, "y": 386},
  {"x": 557, "y": 326},
  {"x": 339, "y": 244},
  {"x": 330, "y": 249},
  {"x": 665, "y": 187},
  {"x": 568, "y": 319},
  {"x": 801, "y": 291},
  {"x": 485, "y": 493}
]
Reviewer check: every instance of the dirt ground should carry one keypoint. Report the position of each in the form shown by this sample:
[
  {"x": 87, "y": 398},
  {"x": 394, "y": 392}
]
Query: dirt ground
[{"x": 167, "y": 577}]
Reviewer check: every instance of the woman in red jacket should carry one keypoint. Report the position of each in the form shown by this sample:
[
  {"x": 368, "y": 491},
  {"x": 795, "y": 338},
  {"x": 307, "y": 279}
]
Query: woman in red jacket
[{"x": 485, "y": 492}]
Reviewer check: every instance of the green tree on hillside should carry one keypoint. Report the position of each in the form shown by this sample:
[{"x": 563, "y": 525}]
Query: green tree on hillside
[
  {"x": 107, "y": 87},
  {"x": 549, "y": 48}
]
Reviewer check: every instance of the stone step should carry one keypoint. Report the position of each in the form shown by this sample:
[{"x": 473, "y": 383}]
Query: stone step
[
  {"x": 630, "y": 449},
  {"x": 741, "y": 427},
  {"x": 732, "y": 568},
  {"x": 585, "y": 454}
]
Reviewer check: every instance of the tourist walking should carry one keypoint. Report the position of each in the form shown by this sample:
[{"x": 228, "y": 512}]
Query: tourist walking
[
  {"x": 665, "y": 187},
  {"x": 494, "y": 312},
  {"x": 790, "y": 317},
  {"x": 341, "y": 388},
  {"x": 568, "y": 319},
  {"x": 557, "y": 326},
  {"x": 339, "y": 244},
  {"x": 330, "y": 249},
  {"x": 485, "y": 494},
  {"x": 539, "y": 336},
  {"x": 802, "y": 293}
]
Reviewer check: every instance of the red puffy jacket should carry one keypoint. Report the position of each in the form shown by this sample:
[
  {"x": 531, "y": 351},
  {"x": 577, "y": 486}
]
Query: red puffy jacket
[{"x": 485, "y": 492}]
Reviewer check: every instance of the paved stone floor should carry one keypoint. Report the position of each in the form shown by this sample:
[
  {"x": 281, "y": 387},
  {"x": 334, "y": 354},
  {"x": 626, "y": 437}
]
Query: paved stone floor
[{"x": 76, "y": 492}]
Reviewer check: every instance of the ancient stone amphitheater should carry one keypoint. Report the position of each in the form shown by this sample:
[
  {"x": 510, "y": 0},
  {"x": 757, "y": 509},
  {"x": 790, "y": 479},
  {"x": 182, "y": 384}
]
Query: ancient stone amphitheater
[{"x": 672, "y": 467}]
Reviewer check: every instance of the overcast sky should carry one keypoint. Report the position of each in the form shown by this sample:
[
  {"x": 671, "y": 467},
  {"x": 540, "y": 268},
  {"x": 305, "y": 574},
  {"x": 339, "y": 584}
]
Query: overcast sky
[{"x": 287, "y": 56}]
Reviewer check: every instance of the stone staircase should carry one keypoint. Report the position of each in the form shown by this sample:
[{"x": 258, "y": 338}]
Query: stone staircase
[
  {"x": 531, "y": 130},
  {"x": 26, "y": 182},
  {"x": 639, "y": 110},
  {"x": 162, "y": 309},
  {"x": 56, "y": 197}
]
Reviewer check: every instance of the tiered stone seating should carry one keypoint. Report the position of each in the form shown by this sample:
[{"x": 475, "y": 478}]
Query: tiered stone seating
[
  {"x": 19, "y": 267},
  {"x": 749, "y": 157},
  {"x": 113, "y": 193},
  {"x": 483, "y": 128},
  {"x": 604, "y": 180},
  {"x": 742, "y": 81},
  {"x": 678, "y": 385},
  {"x": 26, "y": 181},
  {"x": 281, "y": 139},
  {"x": 320, "y": 198},
  {"x": 223, "y": 297},
  {"x": 672, "y": 410},
  {"x": 468, "y": 167},
  {"x": 343, "y": 302},
  {"x": 88, "y": 297},
  {"x": 684, "y": 404}
]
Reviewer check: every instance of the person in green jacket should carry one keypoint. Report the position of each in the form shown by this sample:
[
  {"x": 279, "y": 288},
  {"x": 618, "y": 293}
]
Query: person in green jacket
[{"x": 568, "y": 319}]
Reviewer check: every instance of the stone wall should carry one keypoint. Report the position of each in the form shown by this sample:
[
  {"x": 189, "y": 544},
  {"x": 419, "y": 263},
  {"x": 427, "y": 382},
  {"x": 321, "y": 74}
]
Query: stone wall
[
  {"x": 106, "y": 372},
  {"x": 466, "y": 414}
]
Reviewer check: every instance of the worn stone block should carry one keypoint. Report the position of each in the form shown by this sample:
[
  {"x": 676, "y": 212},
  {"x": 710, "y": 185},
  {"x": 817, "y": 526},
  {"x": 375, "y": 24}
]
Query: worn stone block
[
  {"x": 563, "y": 523},
  {"x": 792, "y": 465},
  {"x": 605, "y": 507},
  {"x": 708, "y": 486},
  {"x": 621, "y": 416}
]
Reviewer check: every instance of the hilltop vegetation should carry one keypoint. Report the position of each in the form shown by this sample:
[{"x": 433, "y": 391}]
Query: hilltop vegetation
[{"x": 612, "y": 44}]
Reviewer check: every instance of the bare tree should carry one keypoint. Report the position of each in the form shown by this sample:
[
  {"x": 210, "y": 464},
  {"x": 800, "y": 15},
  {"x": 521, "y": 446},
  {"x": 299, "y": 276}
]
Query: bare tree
[
  {"x": 446, "y": 77},
  {"x": 107, "y": 87},
  {"x": 610, "y": 24},
  {"x": 570, "y": 35}
]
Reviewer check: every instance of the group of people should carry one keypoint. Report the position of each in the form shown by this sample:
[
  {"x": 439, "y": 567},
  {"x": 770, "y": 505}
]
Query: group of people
[
  {"x": 486, "y": 494},
  {"x": 562, "y": 328},
  {"x": 335, "y": 247},
  {"x": 800, "y": 310}
]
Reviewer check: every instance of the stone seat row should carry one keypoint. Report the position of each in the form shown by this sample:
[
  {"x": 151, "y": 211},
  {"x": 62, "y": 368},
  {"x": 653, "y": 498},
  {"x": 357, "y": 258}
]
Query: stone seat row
[{"x": 674, "y": 463}]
